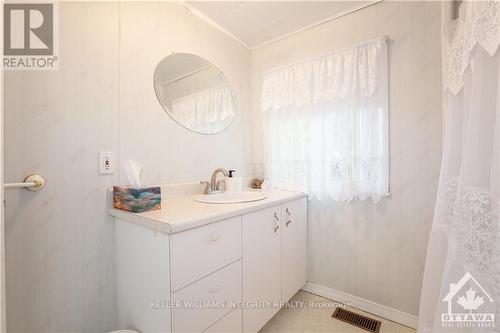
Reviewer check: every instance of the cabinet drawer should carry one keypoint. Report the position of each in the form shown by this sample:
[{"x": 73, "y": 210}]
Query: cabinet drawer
[
  {"x": 213, "y": 296},
  {"x": 231, "y": 323},
  {"x": 198, "y": 252}
]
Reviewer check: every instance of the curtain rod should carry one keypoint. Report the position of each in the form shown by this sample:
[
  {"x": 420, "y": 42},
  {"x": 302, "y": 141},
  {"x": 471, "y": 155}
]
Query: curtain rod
[{"x": 384, "y": 39}]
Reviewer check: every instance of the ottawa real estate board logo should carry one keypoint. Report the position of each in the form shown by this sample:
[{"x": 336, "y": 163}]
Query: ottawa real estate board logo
[
  {"x": 30, "y": 32},
  {"x": 468, "y": 305}
]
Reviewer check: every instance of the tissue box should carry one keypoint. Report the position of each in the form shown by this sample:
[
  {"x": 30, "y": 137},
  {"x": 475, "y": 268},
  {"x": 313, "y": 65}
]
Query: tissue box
[{"x": 137, "y": 199}]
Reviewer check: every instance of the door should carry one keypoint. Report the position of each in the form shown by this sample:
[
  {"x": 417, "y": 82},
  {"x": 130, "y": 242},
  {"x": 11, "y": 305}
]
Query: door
[
  {"x": 2, "y": 244},
  {"x": 261, "y": 255},
  {"x": 2, "y": 229},
  {"x": 294, "y": 247}
]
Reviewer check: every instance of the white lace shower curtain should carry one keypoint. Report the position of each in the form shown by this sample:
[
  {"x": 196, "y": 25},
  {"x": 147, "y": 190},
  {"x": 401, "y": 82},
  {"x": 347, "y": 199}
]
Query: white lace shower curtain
[
  {"x": 326, "y": 124},
  {"x": 462, "y": 272}
]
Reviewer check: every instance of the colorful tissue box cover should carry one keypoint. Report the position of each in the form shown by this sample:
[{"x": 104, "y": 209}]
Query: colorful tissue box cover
[{"x": 137, "y": 199}]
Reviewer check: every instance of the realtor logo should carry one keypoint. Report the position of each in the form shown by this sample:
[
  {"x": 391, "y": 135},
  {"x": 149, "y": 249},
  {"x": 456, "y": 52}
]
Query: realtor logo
[
  {"x": 29, "y": 36},
  {"x": 466, "y": 305}
]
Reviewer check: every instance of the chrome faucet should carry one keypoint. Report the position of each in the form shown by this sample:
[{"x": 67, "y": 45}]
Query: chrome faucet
[{"x": 214, "y": 185}]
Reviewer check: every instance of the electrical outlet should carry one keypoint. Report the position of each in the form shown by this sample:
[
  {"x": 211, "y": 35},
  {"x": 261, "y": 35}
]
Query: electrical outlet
[{"x": 106, "y": 163}]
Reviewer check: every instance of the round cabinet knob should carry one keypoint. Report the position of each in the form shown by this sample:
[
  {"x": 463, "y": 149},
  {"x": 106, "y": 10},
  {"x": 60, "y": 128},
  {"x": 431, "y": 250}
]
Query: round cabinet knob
[
  {"x": 214, "y": 237},
  {"x": 215, "y": 289}
]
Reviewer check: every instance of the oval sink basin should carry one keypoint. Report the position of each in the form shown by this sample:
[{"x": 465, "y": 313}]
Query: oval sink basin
[{"x": 230, "y": 197}]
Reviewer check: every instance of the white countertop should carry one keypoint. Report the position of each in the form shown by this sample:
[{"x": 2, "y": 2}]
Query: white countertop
[{"x": 183, "y": 213}]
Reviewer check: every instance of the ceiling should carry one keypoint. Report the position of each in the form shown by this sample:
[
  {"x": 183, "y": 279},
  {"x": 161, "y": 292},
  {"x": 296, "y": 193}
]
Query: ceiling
[{"x": 258, "y": 22}]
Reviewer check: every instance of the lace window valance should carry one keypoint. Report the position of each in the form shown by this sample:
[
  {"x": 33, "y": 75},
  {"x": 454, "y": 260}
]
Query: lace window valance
[{"x": 346, "y": 73}]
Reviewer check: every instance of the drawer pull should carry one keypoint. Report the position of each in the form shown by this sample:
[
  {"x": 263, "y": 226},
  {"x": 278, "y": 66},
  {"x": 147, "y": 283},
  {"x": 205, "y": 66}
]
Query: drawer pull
[
  {"x": 215, "y": 289},
  {"x": 276, "y": 216},
  {"x": 288, "y": 212},
  {"x": 214, "y": 237},
  {"x": 276, "y": 227},
  {"x": 288, "y": 222}
]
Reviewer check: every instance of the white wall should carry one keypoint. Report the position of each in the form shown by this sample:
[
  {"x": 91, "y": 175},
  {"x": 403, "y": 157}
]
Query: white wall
[
  {"x": 169, "y": 152},
  {"x": 377, "y": 252},
  {"x": 59, "y": 242}
]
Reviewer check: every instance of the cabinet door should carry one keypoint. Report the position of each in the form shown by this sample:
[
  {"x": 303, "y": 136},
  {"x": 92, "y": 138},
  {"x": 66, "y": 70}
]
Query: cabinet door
[
  {"x": 294, "y": 247},
  {"x": 261, "y": 258}
]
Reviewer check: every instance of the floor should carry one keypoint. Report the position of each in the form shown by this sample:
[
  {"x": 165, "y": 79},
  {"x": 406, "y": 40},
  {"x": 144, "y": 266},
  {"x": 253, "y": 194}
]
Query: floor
[{"x": 311, "y": 313}]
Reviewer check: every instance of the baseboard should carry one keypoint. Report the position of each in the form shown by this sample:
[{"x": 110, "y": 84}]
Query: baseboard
[{"x": 379, "y": 310}]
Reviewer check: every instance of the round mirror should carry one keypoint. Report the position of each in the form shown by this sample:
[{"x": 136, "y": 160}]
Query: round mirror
[{"x": 194, "y": 93}]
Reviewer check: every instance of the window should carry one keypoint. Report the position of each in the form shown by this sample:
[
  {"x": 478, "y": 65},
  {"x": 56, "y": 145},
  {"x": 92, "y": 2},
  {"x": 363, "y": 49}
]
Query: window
[{"x": 326, "y": 124}]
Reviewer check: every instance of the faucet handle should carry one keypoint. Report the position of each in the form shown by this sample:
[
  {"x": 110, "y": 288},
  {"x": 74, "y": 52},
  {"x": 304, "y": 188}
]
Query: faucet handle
[{"x": 207, "y": 187}]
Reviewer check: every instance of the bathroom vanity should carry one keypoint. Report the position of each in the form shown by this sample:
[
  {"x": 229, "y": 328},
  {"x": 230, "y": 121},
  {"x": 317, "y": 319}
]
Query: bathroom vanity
[{"x": 200, "y": 267}]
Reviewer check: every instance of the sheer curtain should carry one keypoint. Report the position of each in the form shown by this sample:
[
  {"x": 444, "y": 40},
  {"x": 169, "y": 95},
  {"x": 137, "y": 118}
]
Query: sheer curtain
[
  {"x": 464, "y": 246},
  {"x": 326, "y": 124},
  {"x": 205, "y": 109}
]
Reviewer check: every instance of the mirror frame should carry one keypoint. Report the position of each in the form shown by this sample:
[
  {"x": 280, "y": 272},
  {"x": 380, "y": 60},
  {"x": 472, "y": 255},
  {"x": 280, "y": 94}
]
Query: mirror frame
[{"x": 224, "y": 78}]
